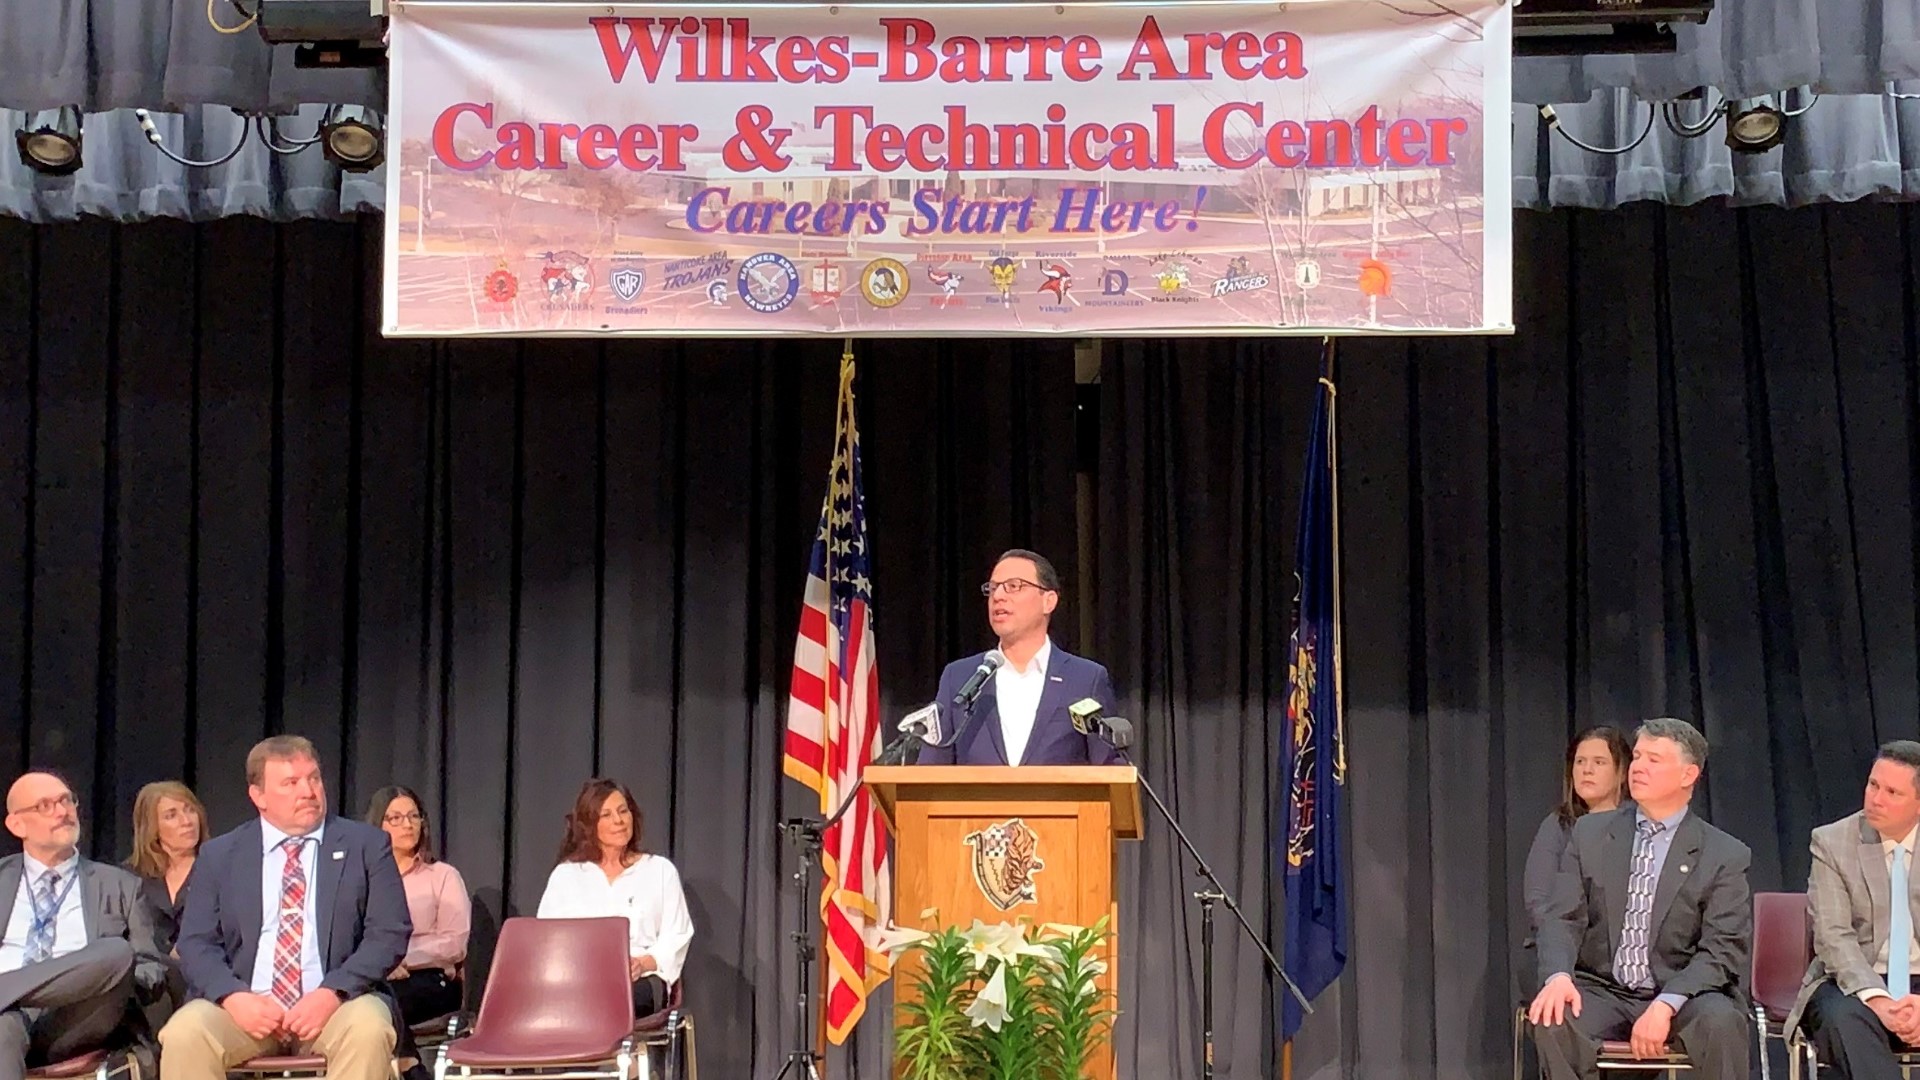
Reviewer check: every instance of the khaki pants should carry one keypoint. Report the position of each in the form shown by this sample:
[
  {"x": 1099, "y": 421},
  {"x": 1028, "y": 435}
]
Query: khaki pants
[{"x": 202, "y": 1042}]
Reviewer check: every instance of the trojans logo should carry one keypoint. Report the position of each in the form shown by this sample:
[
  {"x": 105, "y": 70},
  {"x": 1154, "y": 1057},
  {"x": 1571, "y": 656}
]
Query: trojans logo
[{"x": 1005, "y": 858}]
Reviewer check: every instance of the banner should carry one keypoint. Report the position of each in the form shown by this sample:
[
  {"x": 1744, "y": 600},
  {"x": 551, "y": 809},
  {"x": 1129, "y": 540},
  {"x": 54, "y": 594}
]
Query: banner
[{"x": 971, "y": 169}]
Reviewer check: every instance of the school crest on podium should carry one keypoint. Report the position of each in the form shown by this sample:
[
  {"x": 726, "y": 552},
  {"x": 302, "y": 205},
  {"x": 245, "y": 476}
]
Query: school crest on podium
[{"x": 1005, "y": 858}]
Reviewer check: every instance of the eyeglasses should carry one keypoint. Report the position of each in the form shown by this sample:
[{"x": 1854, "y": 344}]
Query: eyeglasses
[
  {"x": 49, "y": 806},
  {"x": 1011, "y": 586},
  {"x": 412, "y": 818}
]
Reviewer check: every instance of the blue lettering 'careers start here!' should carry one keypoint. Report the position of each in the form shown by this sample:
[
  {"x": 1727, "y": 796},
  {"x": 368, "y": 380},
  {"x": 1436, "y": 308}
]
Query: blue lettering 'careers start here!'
[{"x": 1075, "y": 210}]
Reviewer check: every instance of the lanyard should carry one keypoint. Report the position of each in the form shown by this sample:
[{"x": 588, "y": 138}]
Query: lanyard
[{"x": 41, "y": 921}]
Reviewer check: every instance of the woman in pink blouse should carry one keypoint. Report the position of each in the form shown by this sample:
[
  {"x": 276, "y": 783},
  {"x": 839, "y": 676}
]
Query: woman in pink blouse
[{"x": 427, "y": 983}]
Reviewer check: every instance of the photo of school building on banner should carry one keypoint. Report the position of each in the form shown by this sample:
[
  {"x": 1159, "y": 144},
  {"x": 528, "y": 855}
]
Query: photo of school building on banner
[{"x": 993, "y": 169}]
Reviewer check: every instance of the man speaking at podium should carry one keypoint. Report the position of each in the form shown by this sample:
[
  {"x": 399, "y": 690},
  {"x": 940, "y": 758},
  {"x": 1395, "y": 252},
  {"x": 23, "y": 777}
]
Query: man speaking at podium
[{"x": 1008, "y": 706}]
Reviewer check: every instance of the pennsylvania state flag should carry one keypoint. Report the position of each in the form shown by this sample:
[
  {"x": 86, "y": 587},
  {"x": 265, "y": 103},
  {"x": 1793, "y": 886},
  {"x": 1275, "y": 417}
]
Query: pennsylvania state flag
[{"x": 1313, "y": 761}]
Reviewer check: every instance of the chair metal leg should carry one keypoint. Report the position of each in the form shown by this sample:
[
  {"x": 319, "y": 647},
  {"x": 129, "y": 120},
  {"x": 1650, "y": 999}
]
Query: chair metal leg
[
  {"x": 1760, "y": 1030},
  {"x": 1519, "y": 1027},
  {"x": 693, "y": 1057}
]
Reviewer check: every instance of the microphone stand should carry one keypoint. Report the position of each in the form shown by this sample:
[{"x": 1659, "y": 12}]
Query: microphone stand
[
  {"x": 1207, "y": 898},
  {"x": 809, "y": 837}
]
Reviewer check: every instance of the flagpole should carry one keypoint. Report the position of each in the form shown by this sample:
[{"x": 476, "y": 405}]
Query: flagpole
[
  {"x": 826, "y": 969},
  {"x": 1329, "y": 346},
  {"x": 1333, "y": 481}
]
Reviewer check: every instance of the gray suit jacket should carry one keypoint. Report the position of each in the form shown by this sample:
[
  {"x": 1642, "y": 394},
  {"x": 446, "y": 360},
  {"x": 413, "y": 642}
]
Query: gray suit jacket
[
  {"x": 1849, "y": 903},
  {"x": 1702, "y": 906},
  {"x": 111, "y": 902}
]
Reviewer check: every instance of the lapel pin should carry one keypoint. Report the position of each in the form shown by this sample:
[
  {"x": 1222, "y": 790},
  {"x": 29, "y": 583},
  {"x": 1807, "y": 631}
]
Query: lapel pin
[
  {"x": 338, "y": 855},
  {"x": 1683, "y": 867},
  {"x": 1055, "y": 678}
]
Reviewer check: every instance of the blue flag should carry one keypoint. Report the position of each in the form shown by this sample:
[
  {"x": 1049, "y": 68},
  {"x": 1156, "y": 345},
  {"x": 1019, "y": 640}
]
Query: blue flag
[{"x": 1313, "y": 760}]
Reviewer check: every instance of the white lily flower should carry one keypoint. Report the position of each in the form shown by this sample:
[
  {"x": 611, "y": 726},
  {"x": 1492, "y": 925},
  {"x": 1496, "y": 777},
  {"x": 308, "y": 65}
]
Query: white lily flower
[
  {"x": 895, "y": 940},
  {"x": 989, "y": 1007}
]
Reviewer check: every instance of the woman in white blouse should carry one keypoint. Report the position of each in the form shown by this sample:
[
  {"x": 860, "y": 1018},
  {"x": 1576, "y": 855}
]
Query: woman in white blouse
[{"x": 603, "y": 872}]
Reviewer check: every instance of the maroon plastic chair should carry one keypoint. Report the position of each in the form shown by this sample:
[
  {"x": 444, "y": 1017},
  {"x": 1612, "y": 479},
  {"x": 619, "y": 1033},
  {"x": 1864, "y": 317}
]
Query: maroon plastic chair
[
  {"x": 97, "y": 1065},
  {"x": 671, "y": 1029},
  {"x": 559, "y": 996},
  {"x": 1782, "y": 949}
]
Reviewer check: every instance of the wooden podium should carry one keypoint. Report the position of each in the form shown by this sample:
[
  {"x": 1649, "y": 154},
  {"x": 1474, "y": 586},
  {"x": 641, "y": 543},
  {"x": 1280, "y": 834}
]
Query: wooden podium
[{"x": 1004, "y": 843}]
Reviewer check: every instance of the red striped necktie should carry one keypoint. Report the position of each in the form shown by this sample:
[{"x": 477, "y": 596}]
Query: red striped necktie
[{"x": 293, "y": 924}]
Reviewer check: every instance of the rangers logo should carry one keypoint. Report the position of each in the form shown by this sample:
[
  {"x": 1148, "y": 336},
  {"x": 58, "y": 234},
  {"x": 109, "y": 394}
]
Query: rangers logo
[
  {"x": 627, "y": 281},
  {"x": 1239, "y": 278},
  {"x": 1005, "y": 858}
]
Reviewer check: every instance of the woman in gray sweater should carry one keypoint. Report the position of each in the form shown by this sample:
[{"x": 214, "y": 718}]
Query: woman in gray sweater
[{"x": 1595, "y": 780}]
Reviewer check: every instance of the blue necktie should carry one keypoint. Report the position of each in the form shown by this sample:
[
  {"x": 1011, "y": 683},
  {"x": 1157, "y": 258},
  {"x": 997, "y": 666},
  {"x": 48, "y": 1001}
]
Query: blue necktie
[
  {"x": 1899, "y": 929},
  {"x": 46, "y": 916}
]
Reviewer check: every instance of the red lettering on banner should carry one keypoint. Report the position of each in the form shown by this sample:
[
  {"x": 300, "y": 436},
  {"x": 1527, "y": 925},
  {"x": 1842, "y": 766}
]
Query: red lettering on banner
[
  {"x": 525, "y": 146},
  {"x": 640, "y": 42},
  {"x": 446, "y": 149},
  {"x": 1242, "y": 57},
  {"x": 1367, "y": 142},
  {"x": 1439, "y": 133},
  {"x": 909, "y": 50}
]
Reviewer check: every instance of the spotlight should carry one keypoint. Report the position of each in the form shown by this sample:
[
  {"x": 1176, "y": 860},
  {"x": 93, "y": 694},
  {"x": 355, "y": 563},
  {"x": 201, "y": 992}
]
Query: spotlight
[
  {"x": 53, "y": 149},
  {"x": 1755, "y": 128},
  {"x": 353, "y": 138}
]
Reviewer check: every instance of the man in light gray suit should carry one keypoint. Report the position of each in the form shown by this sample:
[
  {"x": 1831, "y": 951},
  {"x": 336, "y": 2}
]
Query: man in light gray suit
[
  {"x": 76, "y": 940},
  {"x": 1855, "y": 1005},
  {"x": 1650, "y": 925}
]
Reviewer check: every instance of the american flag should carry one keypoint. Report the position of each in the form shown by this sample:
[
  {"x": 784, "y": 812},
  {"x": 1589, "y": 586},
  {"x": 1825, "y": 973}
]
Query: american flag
[{"x": 833, "y": 729}]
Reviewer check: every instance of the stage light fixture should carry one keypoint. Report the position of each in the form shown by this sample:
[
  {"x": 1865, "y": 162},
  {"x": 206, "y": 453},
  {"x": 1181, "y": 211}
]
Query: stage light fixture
[
  {"x": 353, "y": 137},
  {"x": 325, "y": 33},
  {"x": 52, "y": 149},
  {"x": 1755, "y": 128}
]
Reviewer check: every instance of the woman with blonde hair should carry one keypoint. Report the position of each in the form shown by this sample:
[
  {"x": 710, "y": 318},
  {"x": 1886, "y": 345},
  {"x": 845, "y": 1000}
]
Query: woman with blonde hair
[{"x": 169, "y": 825}]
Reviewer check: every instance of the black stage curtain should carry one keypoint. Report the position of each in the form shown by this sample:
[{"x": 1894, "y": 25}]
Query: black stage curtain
[{"x": 490, "y": 569}]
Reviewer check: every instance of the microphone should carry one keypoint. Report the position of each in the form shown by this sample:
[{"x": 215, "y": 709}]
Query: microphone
[
  {"x": 977, "y": 682},
  {"x": 1089, "y": 718},
  {"x": 922, "y": 724}
]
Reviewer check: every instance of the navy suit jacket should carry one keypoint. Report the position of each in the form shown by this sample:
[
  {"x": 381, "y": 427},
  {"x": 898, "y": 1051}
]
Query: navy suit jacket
[
  {"x": 1053, "y": 742},
  {"x": 358, "y": 903}
]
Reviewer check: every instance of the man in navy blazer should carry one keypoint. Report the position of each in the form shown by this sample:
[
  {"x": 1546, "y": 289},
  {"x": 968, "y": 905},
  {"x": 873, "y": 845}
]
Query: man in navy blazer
[
  {"x": 292, "y": 926},
  {"x": 1020, "y": 717}
]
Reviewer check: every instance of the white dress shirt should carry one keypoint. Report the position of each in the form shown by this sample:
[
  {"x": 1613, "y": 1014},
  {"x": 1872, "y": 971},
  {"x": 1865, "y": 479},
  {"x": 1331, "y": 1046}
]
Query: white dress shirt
[
  {"x": 647, "y": 894},
  {"x": 1017, "y": 694},
  {"x": 69, "y": 922},
  {"x": 1913, "y": 950},
  {"x": 273, "y": 863}
]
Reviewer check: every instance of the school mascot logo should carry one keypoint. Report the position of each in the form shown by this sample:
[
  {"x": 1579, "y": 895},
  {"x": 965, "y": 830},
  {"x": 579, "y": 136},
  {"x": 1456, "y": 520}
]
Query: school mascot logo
[{"x": 1005, "y": 858}]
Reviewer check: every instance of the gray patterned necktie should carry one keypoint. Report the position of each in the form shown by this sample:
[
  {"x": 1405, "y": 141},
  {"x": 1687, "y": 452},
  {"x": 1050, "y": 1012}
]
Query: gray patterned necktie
[
  {"x": 46, "y": 915},
  {"x": 1630, "y": 963}
]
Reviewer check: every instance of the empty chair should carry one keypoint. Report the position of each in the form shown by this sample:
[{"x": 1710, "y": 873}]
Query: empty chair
[{"x": 559, "y": 995}]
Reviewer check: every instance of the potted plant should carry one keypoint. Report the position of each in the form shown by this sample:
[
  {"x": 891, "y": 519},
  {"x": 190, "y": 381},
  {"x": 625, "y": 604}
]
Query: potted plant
[{"x": 993, "y": 1003}]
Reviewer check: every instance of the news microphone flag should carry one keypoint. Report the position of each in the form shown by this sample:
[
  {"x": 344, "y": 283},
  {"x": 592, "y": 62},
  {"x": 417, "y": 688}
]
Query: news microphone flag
[
  {"x": 1313, "y": 761},
  {"x": 833, "y": 729}
]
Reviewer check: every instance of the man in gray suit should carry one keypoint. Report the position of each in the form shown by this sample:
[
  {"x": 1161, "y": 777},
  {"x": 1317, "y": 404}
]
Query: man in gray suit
[
  {"x": 1648, "y": 932},
  {"x": 1855, "y": 1006},
  {"x": 77, "y": 944}
]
